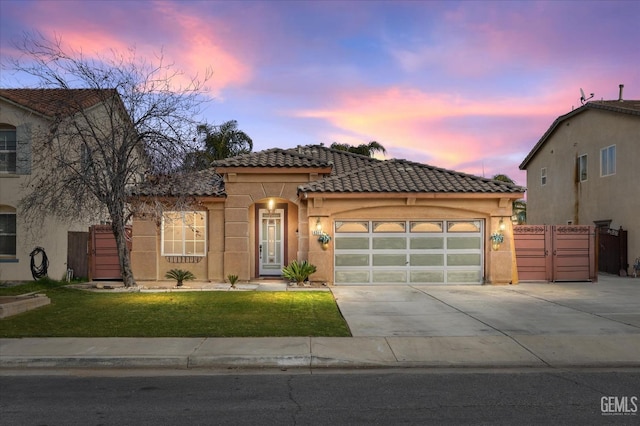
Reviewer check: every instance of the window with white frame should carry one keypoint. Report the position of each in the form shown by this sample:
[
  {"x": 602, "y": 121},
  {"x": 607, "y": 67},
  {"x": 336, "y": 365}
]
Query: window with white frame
[
  {"x": 582, "y": 168},
  {"x": 608, "y": 161},
  {"x": 7, "y": 232},
  {"x": 184, "y": 233},
  {"x": 7, "y": 148},
  {"x": 543, "y": 176}
]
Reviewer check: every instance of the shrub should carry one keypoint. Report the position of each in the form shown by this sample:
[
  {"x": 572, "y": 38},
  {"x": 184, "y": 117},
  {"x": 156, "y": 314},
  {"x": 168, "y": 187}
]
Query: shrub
[
  {"x": 180, "y": 275},
  {"x": 298, "y": 272},
  {"x": 233, "y": 279}
]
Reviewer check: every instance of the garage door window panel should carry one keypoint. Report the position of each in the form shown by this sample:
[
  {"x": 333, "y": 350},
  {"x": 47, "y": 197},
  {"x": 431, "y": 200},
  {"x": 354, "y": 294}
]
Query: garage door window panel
[
  {"x": 389, "y": 259},
  {"x": 470, "y": 259},
  {"x": 351, "y": 227},
  {"x": 427, "y": 276},
  {"x": 398, "y": 227},
  {"x": 464, "y": 243},
  {"x": 352, "y": 260},
  {"x": 352, "y": 277},
  {"x": 463, "y": 277},
  {"x": 426, "y": 227},
  {"x": 426, "y": 243},
  {"x": 427, "y": 259},
  {"x": 391, "y": 277},
  {"x": 466, "y": 226},
  {"x": 352, "y": 243},
  {"x": 389, "y": 243}
]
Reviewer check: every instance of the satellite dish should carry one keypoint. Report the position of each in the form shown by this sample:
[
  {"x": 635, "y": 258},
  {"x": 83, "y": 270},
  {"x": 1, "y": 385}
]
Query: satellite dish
[{"x": 583, "y": 98}]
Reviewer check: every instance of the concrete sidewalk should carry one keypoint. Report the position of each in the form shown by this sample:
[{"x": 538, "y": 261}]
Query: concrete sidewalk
[
  {"x": 323, "y": 352},
  {"x": 529, "y": 325}
]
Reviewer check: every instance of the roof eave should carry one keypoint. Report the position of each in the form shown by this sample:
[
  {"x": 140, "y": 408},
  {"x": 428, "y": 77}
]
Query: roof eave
[
  {"x": 421, "y": 195},
  {"x": 271, "y": 170},
  {"x": 559, "y": 120}
]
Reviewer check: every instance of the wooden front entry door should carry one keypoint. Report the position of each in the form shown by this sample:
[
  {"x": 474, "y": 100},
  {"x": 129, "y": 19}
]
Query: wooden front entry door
[{"x": 270, "y": 242}]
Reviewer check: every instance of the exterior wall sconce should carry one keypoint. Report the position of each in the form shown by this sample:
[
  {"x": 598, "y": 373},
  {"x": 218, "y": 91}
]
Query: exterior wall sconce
[
  {"x": 323, "y": 237},
  {"x": 497, "y": 238}
]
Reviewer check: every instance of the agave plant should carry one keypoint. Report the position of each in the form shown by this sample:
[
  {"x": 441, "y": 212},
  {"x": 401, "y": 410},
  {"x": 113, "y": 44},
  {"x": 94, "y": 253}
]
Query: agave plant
[
  {"x": 298, "y": 272},
  {"x": 180, "y": 276}
]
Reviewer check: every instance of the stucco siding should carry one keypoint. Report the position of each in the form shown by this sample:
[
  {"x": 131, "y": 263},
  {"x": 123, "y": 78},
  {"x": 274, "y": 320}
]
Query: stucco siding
[{"x": 565, "y": 198}]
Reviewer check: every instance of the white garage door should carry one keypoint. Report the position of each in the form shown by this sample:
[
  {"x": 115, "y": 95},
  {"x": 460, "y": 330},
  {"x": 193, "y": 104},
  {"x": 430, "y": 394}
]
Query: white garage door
[{"x": 408, "y": 252}]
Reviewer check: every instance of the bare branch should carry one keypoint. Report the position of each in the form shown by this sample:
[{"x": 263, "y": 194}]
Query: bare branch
[{"x": 118, "y": 119}]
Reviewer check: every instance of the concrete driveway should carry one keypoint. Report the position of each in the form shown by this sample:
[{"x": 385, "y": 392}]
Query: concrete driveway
[{"x": 609, "y": 307}]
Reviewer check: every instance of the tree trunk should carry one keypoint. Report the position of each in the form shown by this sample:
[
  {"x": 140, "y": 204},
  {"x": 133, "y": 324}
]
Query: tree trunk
[{"x": 119, "y": 230}]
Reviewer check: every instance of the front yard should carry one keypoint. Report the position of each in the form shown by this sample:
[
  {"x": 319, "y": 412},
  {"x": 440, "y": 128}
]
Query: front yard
[{"x": 79, "y": 313}]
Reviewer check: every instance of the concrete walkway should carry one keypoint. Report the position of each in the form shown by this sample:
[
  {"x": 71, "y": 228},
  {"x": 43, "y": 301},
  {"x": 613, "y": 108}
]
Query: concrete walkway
[{"x": 528, "y": 325}]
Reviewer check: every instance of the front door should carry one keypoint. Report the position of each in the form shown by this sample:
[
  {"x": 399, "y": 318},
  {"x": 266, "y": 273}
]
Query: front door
[{"x": 271, "y": 242}]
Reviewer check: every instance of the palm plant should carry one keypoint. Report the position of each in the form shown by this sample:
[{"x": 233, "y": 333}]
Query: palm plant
[
  {"x": 298, "y": 272},
  {"x": 519, "y": 207},
  {"x": 180, "y": 276},
  {"x": 368, "y": 149},
  {"x": 220, "y": 142}
]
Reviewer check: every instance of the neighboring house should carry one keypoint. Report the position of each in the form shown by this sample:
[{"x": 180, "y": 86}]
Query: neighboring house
[
  {"x": 585, "y": 170},
  {"x": 25, "y": 115},
  {"x": 390, "y": 222}
]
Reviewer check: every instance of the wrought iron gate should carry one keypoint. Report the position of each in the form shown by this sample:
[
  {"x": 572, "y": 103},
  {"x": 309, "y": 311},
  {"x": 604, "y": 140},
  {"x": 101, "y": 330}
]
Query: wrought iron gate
[{"x": 555, "y": 252}]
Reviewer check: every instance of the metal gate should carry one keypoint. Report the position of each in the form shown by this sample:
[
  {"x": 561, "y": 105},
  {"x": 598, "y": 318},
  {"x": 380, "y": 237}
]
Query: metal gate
[
  {"x": 555, "y": 253},
  {"x": 612, "y": 251},
  {"x": 103, "y": 253}
]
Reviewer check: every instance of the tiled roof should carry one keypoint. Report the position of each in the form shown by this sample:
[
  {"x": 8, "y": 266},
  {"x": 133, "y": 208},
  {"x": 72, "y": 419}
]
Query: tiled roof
[
  {"x": 316, "y": 156},
  {"x": 341, "y": 161},
  {"x": 623, "y": 107},
  {"x": 402, "y": 176},
  {"x": 202, "y": 183},
  {"x": 50, "y": 102},
  {"x": 275, "y": 157},
  {"x": 351, "y": 173}
]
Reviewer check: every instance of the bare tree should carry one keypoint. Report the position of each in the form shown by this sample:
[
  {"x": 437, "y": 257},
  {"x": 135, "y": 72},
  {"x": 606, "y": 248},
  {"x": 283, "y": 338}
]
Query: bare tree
[{"x": 120, "y": 119}]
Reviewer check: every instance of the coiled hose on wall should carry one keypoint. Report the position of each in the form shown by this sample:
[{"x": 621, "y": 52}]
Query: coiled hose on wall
[{"x": 41, "y": 270}]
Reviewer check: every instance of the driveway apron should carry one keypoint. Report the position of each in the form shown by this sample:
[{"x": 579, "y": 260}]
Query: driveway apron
[{"x": 609, "y": 307}]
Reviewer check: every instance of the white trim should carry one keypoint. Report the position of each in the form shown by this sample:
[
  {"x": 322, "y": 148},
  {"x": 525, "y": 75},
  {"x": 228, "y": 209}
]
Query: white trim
[{"x": 183, "y": 229}]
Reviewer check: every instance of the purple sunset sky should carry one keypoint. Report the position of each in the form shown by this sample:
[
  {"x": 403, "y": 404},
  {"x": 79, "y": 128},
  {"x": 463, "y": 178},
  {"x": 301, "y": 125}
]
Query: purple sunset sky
[{"x": 469, "y": 85}]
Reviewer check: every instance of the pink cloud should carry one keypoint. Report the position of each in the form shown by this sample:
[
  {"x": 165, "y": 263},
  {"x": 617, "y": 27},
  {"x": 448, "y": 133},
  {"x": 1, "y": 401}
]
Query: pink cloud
[
  {"x": 444, "y": 130},
  {"x": 195, "y": 43}
]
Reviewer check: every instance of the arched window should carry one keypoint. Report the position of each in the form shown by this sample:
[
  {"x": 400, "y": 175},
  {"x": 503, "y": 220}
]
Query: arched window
[
  {"x": 7, "y": 232},
  {"x": 7, "y": 148}
]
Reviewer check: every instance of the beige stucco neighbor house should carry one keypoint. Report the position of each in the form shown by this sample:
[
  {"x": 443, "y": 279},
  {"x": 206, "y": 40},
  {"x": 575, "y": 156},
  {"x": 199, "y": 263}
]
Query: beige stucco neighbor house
[
  {"x": 390, "y": 221},
  {"x": 585, "y": 170},
  {"x": 26, "y": 114}
]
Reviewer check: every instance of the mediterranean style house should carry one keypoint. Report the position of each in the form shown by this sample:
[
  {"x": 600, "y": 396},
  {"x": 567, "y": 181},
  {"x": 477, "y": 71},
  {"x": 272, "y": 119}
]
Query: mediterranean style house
[
  {"x": 26, "y": 115},
  {"x": 359, "y": 220},
  {"x": 585, "y": 170}
]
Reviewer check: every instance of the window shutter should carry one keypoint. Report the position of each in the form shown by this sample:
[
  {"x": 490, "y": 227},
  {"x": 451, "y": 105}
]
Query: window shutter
[{"x": 23, "y": 149}]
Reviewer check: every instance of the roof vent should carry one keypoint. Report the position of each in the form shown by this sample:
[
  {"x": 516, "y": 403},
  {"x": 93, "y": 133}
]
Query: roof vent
[{"x": 620, "y": 96}]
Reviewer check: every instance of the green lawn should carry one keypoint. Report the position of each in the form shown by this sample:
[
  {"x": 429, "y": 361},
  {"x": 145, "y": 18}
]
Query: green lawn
[{"x": 79, "y": 313}]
